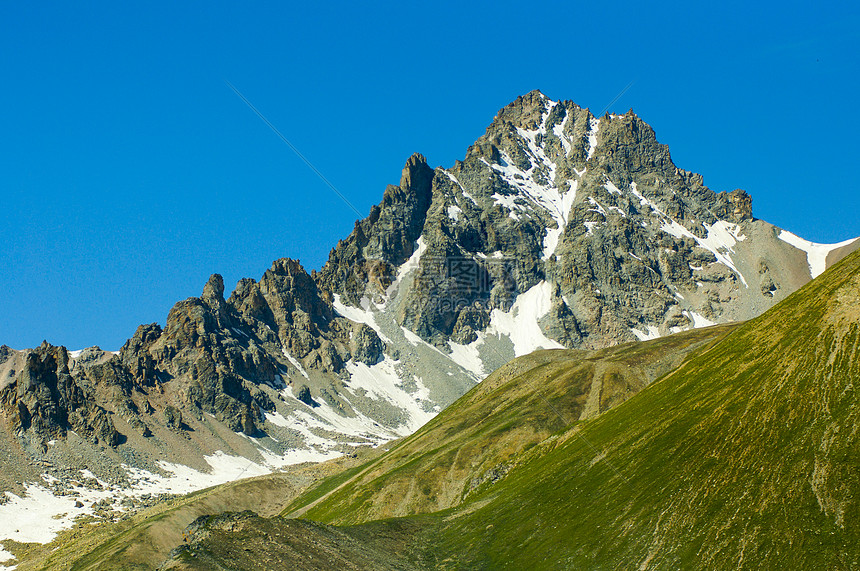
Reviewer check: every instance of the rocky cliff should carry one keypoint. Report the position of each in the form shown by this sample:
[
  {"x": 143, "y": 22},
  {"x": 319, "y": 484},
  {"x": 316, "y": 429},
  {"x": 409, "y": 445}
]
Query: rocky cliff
[{"x": 586, "y": 216}]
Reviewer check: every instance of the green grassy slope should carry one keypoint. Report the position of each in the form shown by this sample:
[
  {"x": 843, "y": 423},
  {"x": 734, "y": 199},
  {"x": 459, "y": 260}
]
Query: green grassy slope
[
  {"x": 480, "y": 437},
  {"x": 747, "y": 456}
]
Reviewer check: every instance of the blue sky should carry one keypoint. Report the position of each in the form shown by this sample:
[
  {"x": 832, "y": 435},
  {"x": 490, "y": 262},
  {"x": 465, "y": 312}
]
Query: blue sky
[{"x": 129, "y": 171}]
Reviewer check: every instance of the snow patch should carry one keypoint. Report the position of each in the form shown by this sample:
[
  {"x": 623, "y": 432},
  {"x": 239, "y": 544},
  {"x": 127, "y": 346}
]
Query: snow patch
[
  {"x": 413, "y": 338},
  {"x": 558, "y": 130},
  {"x": 611, "y": 188},
  {"x": 454, "y": 212},
  {"x": 383, "y": 383},
  {"x": 467, "y": 356},
  {"x": 509, "y": 203},
  {"x": 598, "y": 207},
  {"x": 561, "y": 216},
  {"x": 38, "y": 515},
  {"x": 277, "y": 419},
  {"x": 363, "y": 314},
  {"x": 326, "y": 418},
  {"x": 520, "y": 324},
  {"x": 453, "y": 179},
  {"x": 699, "y": 320},
  {"x": 593, "y": 128},
  {"x": 816, "y": 254},
  {"x": 651, "y": 332},
  {"x": 590, "y": 226},
  {"x": 295, "y": 362},
  {"x": 462, "y": 188},
  {"x": 412, "y": 263}
]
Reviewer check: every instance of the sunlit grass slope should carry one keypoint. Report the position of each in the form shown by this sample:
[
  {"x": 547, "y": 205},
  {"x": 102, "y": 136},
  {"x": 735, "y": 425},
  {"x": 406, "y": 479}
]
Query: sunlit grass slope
[
  {"x": 481, "y": 437},
  {"x": 746, "y": 456}
]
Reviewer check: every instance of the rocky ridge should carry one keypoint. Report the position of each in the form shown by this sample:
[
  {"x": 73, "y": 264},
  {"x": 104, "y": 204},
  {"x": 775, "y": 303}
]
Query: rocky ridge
[
  {"x": 619, "y": 242},
  {"x": 558, "y": 229}
]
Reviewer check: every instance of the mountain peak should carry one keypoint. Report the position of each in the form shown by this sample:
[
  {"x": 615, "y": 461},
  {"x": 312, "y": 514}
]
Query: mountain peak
[
  {"x": 213, "y": 291},
  {"x": 557, "y": 229},
  {"x": 416, "y": 177}
]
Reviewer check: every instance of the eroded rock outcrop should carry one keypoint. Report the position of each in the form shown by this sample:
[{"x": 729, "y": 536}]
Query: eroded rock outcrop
[{"x": 45, "y": 402}]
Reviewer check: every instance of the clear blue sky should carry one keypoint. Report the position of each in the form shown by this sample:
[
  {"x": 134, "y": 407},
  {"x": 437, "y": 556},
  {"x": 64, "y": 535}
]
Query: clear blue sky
[{"x": 130, "y": 171}]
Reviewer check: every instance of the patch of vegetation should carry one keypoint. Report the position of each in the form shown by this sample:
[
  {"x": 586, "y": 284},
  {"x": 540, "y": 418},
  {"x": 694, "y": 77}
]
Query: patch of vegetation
[{"x": 323, "y": 488}]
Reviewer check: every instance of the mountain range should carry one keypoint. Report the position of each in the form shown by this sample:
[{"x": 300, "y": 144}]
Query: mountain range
[
  {"x": 726, "y": 447},
  {"x": 558, "y": 230}
]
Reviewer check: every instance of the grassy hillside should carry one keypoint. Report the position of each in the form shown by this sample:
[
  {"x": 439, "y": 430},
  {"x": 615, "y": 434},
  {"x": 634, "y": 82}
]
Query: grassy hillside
[
  {"x": 480, "y": 438},
  {"x": 249, "y": 542},
  {"x": 746, "y": 456}
]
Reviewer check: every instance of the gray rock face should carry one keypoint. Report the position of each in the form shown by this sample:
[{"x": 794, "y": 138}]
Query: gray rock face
[
  {"x": 594, "y": 212},
  {"x": 45, "y": 402},
  {"x": 364, "y": 263}
]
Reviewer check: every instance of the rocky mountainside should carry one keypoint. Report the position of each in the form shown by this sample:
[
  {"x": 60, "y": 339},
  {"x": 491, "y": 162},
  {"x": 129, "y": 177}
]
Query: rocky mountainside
[
  {"x": 583, "y": 220},
  {"x": 727, "y": 447},
  {"x": 453, "y": 456},
  {"x": 743, "y": 457},
  {"x": 558, "y": 229}
]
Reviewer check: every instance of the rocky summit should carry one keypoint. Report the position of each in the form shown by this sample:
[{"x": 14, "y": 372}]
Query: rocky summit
[{"x": 557, "y": 229}]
